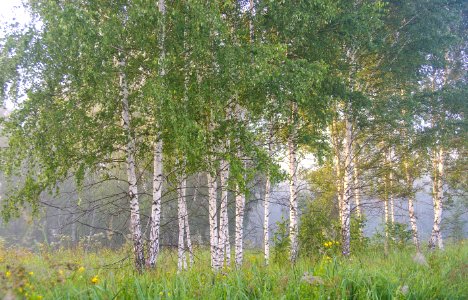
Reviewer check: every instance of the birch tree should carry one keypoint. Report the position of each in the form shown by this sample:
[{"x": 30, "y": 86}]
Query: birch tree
[
  {"x": 293, "y": 205},
  {"x": 158, "y": 152},
  {"x": 135, "y": 224}
]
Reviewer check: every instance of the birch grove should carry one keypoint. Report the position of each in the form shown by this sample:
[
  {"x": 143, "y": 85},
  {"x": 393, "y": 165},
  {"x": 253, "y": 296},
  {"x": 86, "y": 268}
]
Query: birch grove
[{"x": 362, "y": 100}]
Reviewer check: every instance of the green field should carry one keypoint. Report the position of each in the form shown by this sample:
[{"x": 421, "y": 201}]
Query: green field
[{"x": 108, "y": 274}]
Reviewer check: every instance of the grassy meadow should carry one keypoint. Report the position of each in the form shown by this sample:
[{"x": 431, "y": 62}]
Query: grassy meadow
[{"x": 109, "y": 274}]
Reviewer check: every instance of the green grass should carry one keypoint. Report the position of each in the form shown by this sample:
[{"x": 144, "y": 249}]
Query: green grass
[{"x": 367, "y": 275}]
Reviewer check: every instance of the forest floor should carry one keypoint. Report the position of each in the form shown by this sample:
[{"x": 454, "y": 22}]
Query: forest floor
[{"x": 109, "y": 274}]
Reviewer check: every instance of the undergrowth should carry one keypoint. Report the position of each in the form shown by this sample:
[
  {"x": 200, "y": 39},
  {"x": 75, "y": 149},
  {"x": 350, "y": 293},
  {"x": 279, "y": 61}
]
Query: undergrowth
[{"x": 109, "y": 274}]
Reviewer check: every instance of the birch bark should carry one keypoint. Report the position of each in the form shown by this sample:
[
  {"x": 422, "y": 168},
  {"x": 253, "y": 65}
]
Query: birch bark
[
  {"x": 157, "y": 157},
  {"x": 213, "y": 215},
  {"x": 266, "y": 220},
  {"x": 186, "y": 98},
  {"x": 390, "y": 187},
  {"x": 337, "y": 166},
  {"x": 187, "y": 227},
  {"x": 357, "y": 187},
  {"x": 156, "y": 205},
  {"x": 135, "y": 225},
  {"x": 224, "y": 222},
  {"x": 347, "y": 189},
  {"x": 240, "y": 204},
  {"x": 181, "y": 258},
  {"x": 411, "y": 211},
  {"x": 292, "y": 148},
  {"x": 240, "y": 207},
  {"x": 437, "y": 197}
]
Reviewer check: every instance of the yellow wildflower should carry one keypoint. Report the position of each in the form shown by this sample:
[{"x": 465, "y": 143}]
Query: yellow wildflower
[
  {"x": 60, "y": 272},
  {"x": 81, "y": 269},
  {"x": 31, "y": 273},
  {"x": 7, "y": 274},
  {"x": 95, "y": 279}
]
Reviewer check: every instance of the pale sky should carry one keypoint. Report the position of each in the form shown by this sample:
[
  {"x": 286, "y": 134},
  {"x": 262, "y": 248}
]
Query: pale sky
[{"x": 11, "y": 10}]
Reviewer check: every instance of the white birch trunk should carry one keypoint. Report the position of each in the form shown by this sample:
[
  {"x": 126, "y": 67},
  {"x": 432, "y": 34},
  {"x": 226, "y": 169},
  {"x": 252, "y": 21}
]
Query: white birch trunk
[
  {"x": 213, "y": 215},
  {"x": 390, "y": 186},
  {"x": 357, "y": 188},
  {"x": 157, "y": 158},
  {"x": 224, "y": 222},
  {"x": 347, "y": 189},
  {"x": 184, "y": 183},
  {"x": 135, "y": 225},
  {"x": 187, "y": 226},
  {"x": 181, "y": 259},
  {"x": 240, "y": 205},
  {"x": 437, "y": 196},
  {"x": 386, "y": 207},
  {"x": 292, "y": 148},
  {"x": 386, "y": 198},
  {"x": 357, "y": 193},
  {"x": 266, "y": 220},
  {"x": 411, "y": 211},
  {"x": 337, "y": 167},
  {"x": 189, "y": 239},
  {"x": 156, "y": 205}
]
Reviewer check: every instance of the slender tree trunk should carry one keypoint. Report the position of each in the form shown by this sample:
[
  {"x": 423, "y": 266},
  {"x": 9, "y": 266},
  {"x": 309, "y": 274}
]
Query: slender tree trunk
[
  {"x": 157, "y": 158},
  {"x": 240, "y": 205},
  {"x": 224, "y": 222},
  {"x": 390, "y": 186},
  {"x": 266, "y": 220},
  {"x": 437, "y": 197},
  {"x": 386, "y": 199},
  {"x": 357, "y": 187},
  {"x": 181, "y": 221},
  {"x": 292, "y": 148},
  {"x": 156, "y": 205},
  {"x": 357, "y": 193},
  {"x": 337, "y": 166},
  {"x": 187, "y": 226},
  {"x": 348, "y": 189},
  {"x": 184, "y": 202},
  {"x": 213, "y": 215},
  {"x": 240, "y": 196},
  {"x": 135, "y": 225},
  {"x": 386, "y": 208},
  {"x": 411, "y": 211},
  {"x": 181, "y": 257}
]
